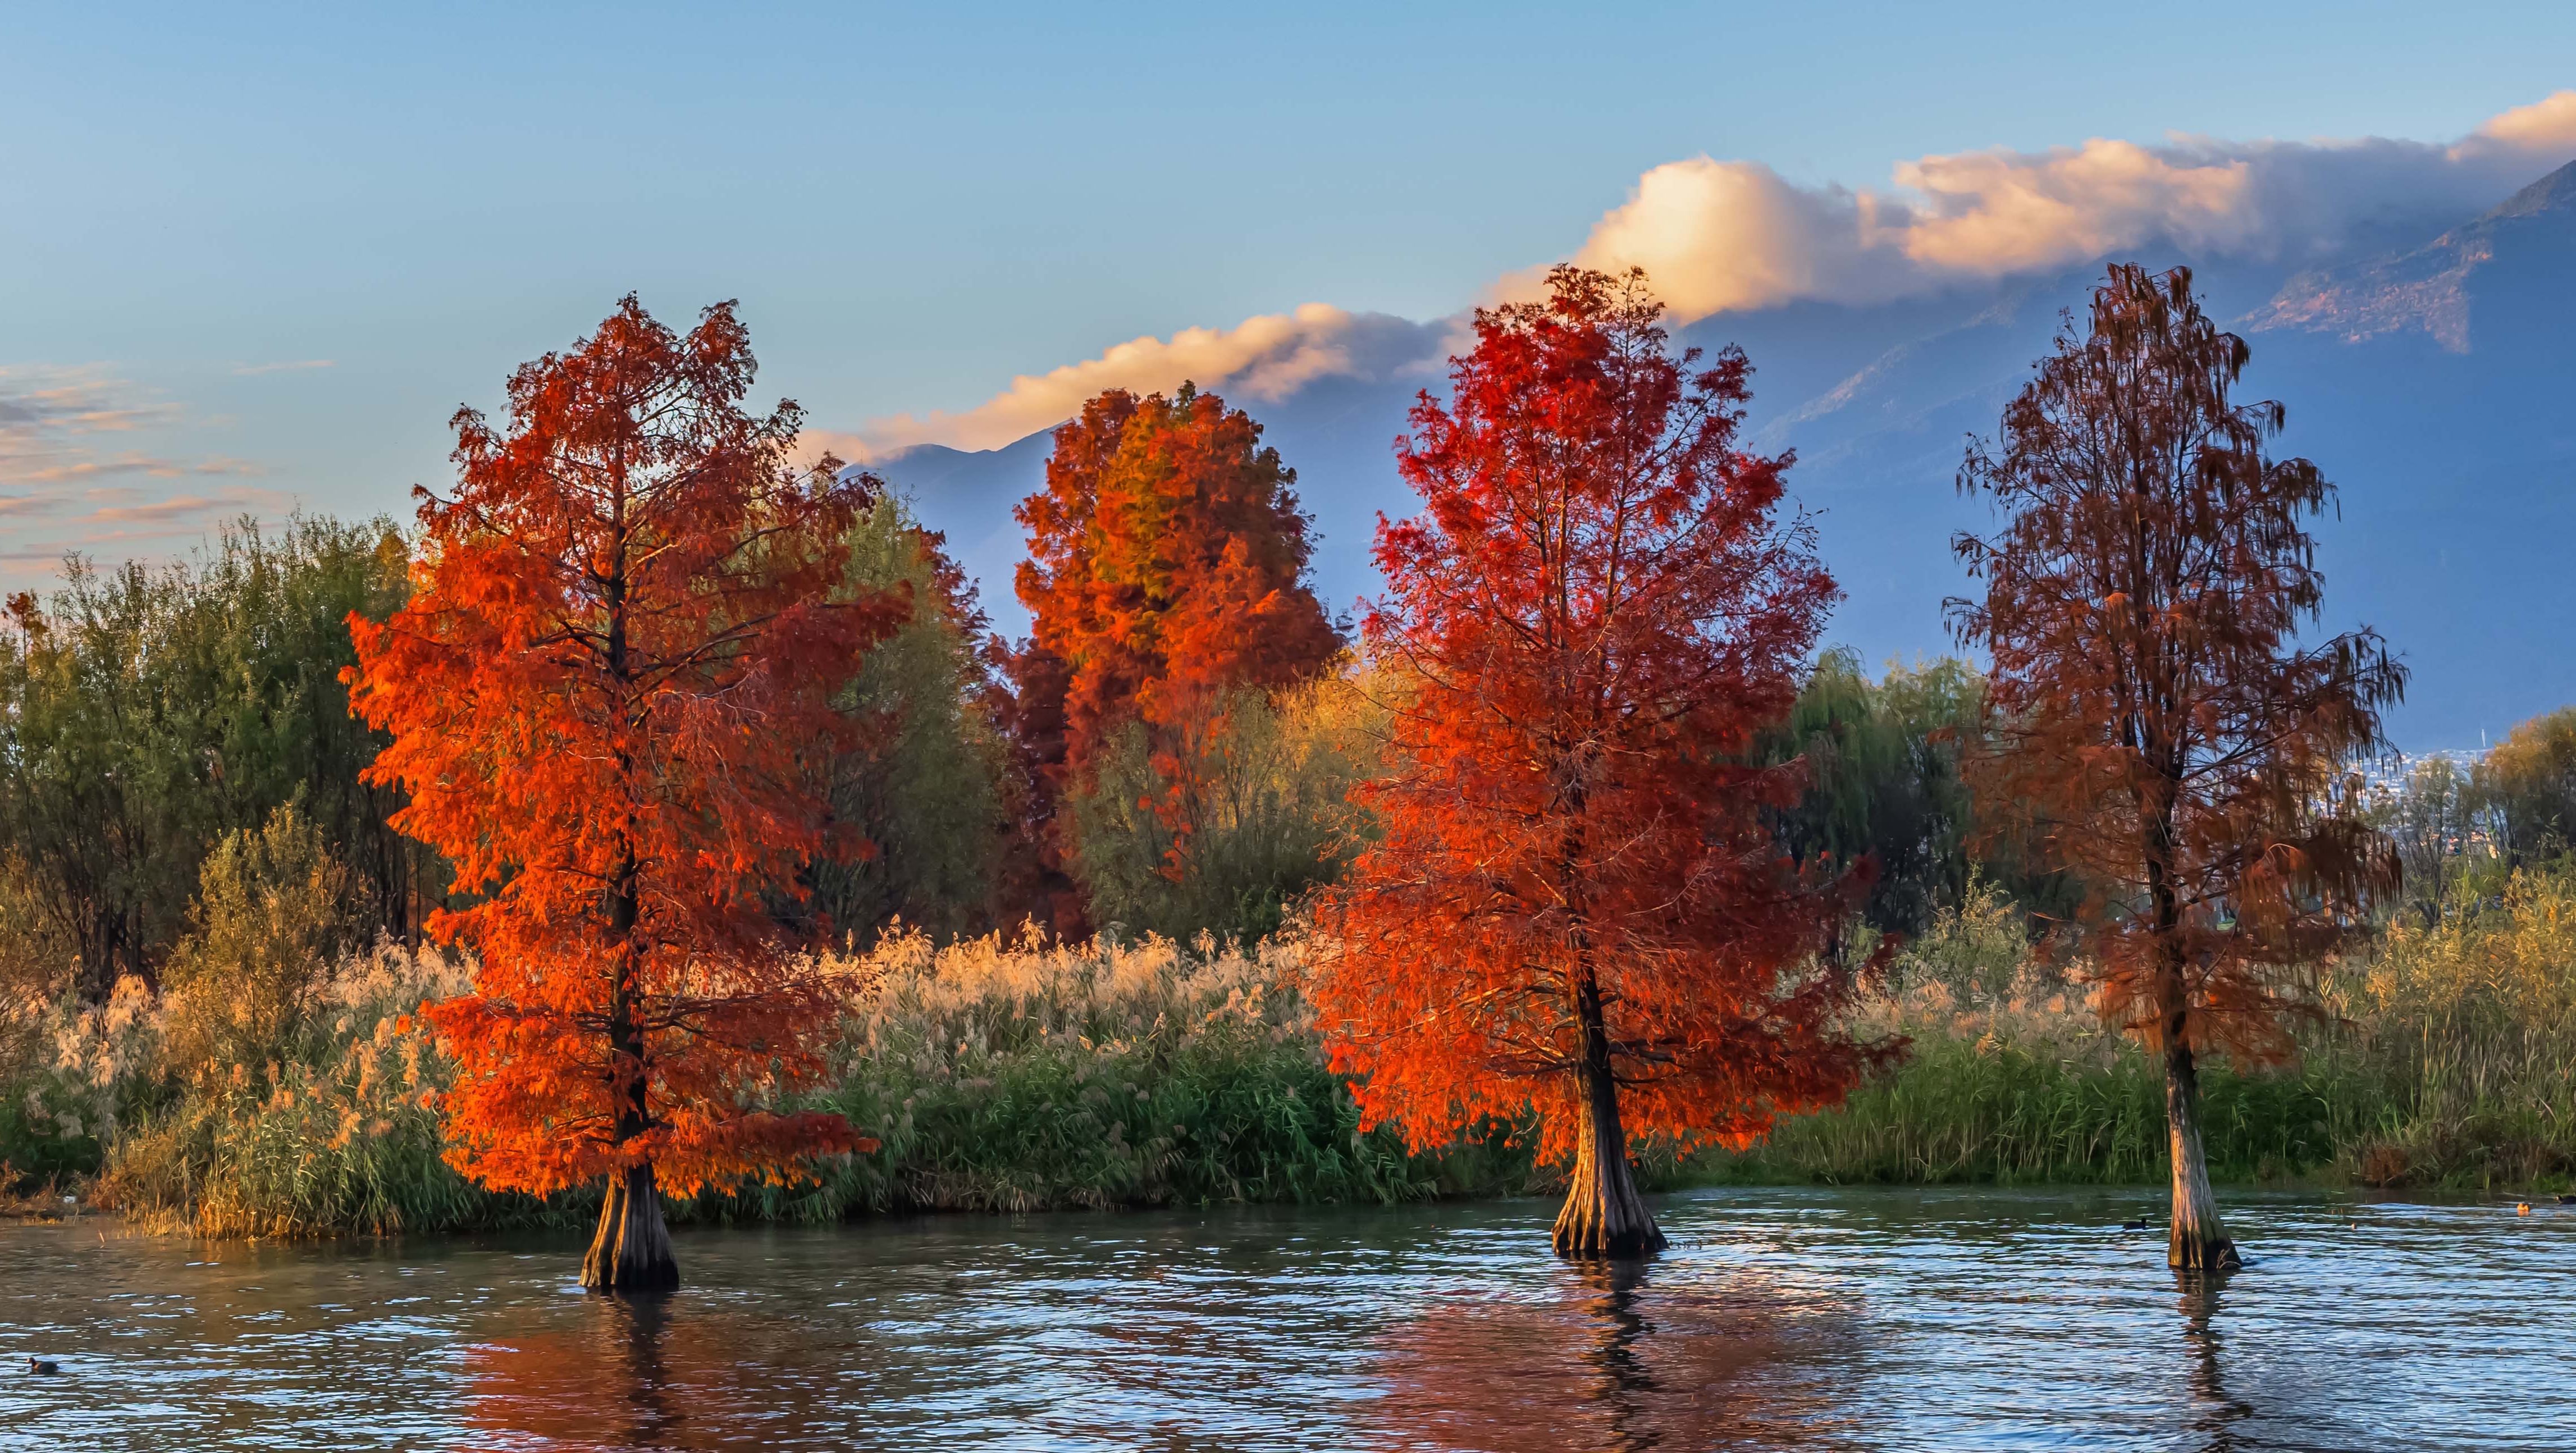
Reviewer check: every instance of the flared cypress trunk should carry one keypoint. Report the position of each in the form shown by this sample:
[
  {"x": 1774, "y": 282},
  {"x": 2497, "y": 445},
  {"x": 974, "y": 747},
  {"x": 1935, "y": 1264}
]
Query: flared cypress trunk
[
  {"x": 1604, "y": 1216},
  {"x": 631, "y": 1252},
  {"x": 2196, "y": 1242}
]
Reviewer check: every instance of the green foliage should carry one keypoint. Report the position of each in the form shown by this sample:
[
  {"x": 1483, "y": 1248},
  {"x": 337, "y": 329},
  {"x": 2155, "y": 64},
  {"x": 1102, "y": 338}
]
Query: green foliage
[
  {"x": 146, "y": 713},
  {"x": 2527, "y": 784},
  {"x": 927, "y": 788},
  {"x": 1110, "y": 1074},
  {"x": 1986, "y": 1110},
  {"x": 2470, "y": 1026},
  {"x": 1115, "y": 1074},
  {"x": 1884, "y": 781},
  {"x": 1223, "y": 834},
  {"x": 2447, "y": 837},
  {"x": 2448, "y": 1058},
  {"x": 275, "y": 909},
  {"x": 994, "y": 1079},
  {"x": 1883, "y": 765},
  {"x": 2462, "y": 832},
  {"x": 1975, "y": 949}
]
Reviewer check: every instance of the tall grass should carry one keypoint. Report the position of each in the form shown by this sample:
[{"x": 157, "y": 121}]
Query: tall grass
[
  {"x": 2445, "y": 1056},
  {"x": 993, "y": 1076},
  {"x": 1033, "y": 1076},
  {"x": 339, "y": 1131},
  {"x": 2470, "y": 1026},
  {"x": 1014, "y": 1076}
]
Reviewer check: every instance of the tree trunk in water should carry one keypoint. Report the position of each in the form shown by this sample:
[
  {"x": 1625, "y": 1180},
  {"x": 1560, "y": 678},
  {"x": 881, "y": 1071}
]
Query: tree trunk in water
[
  {"x": 1604, "y": 1217},
  {"x": 632, "y": 1250},
  {"x": 2196, "y": 1242}
]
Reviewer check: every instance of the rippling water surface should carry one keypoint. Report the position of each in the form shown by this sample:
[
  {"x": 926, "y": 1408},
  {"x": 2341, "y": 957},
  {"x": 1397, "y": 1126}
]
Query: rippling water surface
[{"x": 1780, "y": 1319}]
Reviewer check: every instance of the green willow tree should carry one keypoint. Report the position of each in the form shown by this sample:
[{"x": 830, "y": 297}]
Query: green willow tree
[
  {"x": 2156, "y": 728},
  {"x": 1883, "y": 781}
]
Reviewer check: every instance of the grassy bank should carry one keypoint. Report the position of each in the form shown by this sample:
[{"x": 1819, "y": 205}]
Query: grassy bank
[
  {"x": 2445, "y": 1056},
  {"x": 1033, "y": 1076},
  {"x": 995, "y": 1077}
]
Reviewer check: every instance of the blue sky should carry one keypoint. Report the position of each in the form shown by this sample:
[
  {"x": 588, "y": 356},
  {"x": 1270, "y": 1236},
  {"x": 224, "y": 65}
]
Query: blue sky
[{"x": 916, "y": 203}]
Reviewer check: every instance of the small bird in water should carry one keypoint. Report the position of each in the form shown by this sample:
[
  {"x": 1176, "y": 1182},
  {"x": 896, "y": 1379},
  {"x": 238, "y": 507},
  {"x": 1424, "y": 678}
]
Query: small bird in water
[
  {"x": 42, "y": 1368},
  {"x": 2522, "y": 1208},
  {"x": 2141, "y": 1224}
]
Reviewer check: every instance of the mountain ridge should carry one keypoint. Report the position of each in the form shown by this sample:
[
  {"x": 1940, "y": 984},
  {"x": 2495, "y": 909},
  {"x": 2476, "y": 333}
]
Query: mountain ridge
[{"x": 2454, "y": 448}]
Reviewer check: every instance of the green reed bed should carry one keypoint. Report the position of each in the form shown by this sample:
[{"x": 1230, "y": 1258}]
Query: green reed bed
[
  {"x": 1013, "y": 1077},
  {"x": 2445, "y": 1056},
  {"x": 994, "y": 1078},
  {"x": 1043, "y": 1077}
]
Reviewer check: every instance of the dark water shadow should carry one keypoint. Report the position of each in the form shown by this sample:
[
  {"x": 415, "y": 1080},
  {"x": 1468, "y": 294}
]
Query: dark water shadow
[{"x": 1623, "y": 1357}]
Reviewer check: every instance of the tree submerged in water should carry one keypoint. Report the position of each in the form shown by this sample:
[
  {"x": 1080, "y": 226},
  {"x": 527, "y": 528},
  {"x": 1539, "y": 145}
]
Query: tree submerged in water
[
  {"x": 1578, "y": 907},
  {"x": 2160, "y": 733},
  {"x": 610, "y": 695}
]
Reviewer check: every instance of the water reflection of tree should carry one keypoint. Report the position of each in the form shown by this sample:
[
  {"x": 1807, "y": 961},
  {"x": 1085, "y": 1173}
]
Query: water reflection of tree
[
  {"x": 606, "y": 1383},
  {"x": 1615, "y": 1364},
  {"x": 2214, "y": 1413},
  {"x": 651, "y": 1372}
]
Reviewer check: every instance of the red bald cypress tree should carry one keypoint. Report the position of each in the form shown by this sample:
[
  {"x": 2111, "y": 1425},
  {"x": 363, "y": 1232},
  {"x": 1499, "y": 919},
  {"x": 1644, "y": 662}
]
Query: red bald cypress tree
[
  {"x": 1167, "y": 564},
  {"x": 1578, "y": 907},
  {"x": 2162, "y": 734},
  {"x": 610, "y": 696}
]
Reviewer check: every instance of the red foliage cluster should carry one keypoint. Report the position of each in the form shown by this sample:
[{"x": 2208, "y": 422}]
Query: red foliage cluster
[
  {"x": 1167, "y": 557},
  {"x": 1578, "y": 906},
  {"x": 2161, "y": 732}
]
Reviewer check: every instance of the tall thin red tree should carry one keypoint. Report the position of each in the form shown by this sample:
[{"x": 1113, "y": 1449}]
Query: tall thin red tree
[
  {"x": 609, "y": 695},
  {"x": 2159, "y": 730},
  {"x": 1578, "y": 907}
]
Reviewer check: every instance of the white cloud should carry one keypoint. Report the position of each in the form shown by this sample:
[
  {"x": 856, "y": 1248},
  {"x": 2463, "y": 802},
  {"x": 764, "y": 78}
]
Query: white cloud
[
  {"x": 1715, "y": 236},
  {"x": 1719, "y": 235},
  {"x": 1258, "y": 360},
  {"x": 2541, "y": 126}
]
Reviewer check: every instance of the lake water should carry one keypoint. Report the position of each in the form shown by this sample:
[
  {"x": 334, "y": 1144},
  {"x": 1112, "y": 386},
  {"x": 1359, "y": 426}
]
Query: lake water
[{"x": 1866, "y": 1320}]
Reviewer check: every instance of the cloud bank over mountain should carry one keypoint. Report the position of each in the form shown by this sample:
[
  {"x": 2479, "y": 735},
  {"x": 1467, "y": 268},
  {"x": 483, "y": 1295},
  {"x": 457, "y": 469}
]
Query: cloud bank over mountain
[
  {"x": 1722, "y": 236},
  {"x": 1261, "y": 359}
]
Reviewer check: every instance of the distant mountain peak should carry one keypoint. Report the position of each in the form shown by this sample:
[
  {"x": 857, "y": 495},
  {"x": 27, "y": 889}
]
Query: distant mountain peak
[
  {"x": 2429, "y": 288},
  {"x": 2555, "y": 192}
]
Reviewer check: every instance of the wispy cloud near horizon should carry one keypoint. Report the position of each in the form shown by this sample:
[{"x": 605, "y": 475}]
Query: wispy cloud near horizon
[
  {"x": 1719, "y": 236},
  {"x": 62, "y": 491}
]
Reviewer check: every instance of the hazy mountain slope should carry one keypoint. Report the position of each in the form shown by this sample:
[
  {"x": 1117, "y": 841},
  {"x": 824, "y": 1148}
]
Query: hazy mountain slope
[{"x": 2435, "y": 383}]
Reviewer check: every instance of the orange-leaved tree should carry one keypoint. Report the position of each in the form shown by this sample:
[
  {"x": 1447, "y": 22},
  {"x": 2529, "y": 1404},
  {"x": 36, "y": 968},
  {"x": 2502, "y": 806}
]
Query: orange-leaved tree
[
  {"x": 2158, "y": 728},
  {"x": 610, "y": 695},
  {"x": 1578, "y": 908},
  {"x": 1167, "y": 563}
]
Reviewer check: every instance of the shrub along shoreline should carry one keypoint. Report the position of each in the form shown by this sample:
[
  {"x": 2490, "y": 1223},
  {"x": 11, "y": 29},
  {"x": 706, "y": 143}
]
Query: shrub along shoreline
[{"x": 1034, "y": 1076}]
